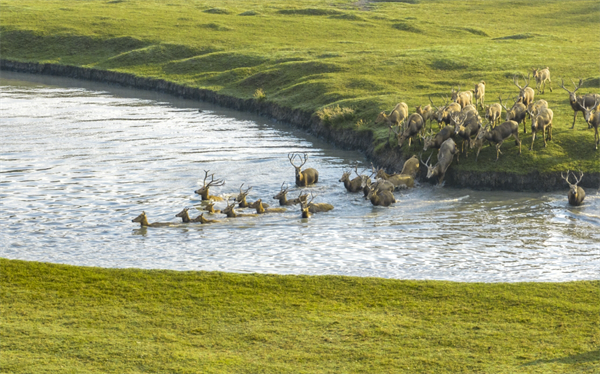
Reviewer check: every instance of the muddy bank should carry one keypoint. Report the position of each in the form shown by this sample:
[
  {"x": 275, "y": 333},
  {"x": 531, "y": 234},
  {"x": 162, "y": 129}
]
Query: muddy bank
[{"x": 389, "y": 158}]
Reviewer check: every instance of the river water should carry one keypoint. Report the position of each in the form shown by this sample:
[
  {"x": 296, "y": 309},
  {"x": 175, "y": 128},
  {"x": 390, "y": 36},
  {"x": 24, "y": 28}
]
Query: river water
[{"x": 79, "y": 160}]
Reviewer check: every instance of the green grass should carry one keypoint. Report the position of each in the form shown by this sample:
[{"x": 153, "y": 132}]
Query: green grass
[
  {"x": 58, "y": 318},
  {"x": 314, "y": 55}
]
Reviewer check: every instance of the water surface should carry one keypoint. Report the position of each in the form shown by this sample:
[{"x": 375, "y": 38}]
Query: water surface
[{"x": 79, "y": 160}]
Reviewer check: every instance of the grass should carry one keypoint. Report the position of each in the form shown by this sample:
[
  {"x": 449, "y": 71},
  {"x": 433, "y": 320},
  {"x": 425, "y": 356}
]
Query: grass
[
  {"x": 313, "y": 55},
  {"x": 59, "y": 318}
]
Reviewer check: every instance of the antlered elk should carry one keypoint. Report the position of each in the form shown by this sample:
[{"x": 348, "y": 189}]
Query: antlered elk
[
  {"x": 479, "y": 93},
  {"x": 304, "y": 177},
  {"x": 443, "y": 114},
  {"x": 541, "y": 121},
  {"x": 427, "y": 112},
  {"x": 576, "y": 100},
  {"x": 493, "y": 113},
  {"x": 241, "y": 198},
  {"x": 210, "y": 208},
  {"x": 143, "y": 221},
  {"x": 497, "y": 135},
  {"x": 526, "y": 93},
  {"x": 462, "y": 98},
  {"x": 593, "y": 119},
  {"x": 413, "y": 125},
  {"x": 261, "y": 209},
  {"x": 541, "y": 77},
  {"x": 185, "y": 216},
  {"x": 576, "y": 193},
  {"x": 398, "y": 180},
  {"x": 445, "y": 156},
  {"x": 354, "y": 185},
  {"x": 517, "y": 113},
  {"x": 467, "y": 125},
  {"x": 203, "y": 191},
  {"x": 381, "y": 197},
  {"x": 231, "y": 213},
  {"x": 309, "y": 207},
  {"x": 396, "y": 116},
  {"x": 435, "y": 141},
  {"x": 282, "y": 197},
  {"x": 411, "y": 167}
]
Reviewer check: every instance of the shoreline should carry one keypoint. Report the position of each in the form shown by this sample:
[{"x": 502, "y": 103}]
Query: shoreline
[{"x": 390, "y": 159}]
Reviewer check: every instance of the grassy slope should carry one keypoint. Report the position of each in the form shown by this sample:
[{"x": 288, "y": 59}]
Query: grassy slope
[
  {"x": 312, "y": 54},
  {"x": 58, "y": 318}
]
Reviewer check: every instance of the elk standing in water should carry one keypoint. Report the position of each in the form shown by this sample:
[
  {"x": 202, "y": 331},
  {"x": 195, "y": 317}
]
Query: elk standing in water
[
  {"x": 576, "y": 193},
  {"x": 576, "y": 100},
  {"x": 593, "y": 119},
  {"x": 308, "y": 176},
  {"x": 282, "y": 197},
  {"x": 231, "y": 213},
  {"x": 381, "y": 198},
  {"x": 203, "y": 191},
  {"x": 354, "y": 185},
  {"x": 260, "y": 208},
  {"x": 143, "y": 221},
  {"x": 445, "y": 156},
  {"x": 497, "y": 135}
]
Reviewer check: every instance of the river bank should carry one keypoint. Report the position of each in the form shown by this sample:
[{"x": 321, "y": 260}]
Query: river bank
[{"x": 389, "y": 158}]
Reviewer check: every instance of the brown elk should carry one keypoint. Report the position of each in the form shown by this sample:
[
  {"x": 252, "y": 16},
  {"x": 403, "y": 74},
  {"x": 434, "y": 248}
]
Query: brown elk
[
  {"x": 467, "y": 125},
  {"x": 592, "y": 118},
  {"x": 576, "y": 100},
  {"x": 411, "y": 167},
  {"x": 261, "y": 209},
  {"x": 380, "y": 184},
  {"x": 398, "y": 180},
  {"x": 576, "y": 193},
  {"x": 204, "y": 190},
  {"x": 231, "y": 213},
  {"x": 462, "y": 98},
  {"x": 526, "y": 93},
  {"x": 210, "y": 208},
  {"x": 143, "y": 221},
  {"x": 396, "y": 116},
  {"x": 203, "y": 220},
  {"x": 497, "y": 135},
  {"x": 479, "y": 94},
  {"x": 427, "y": 112},
  {"x": 435, "y": 141},
  {"x": 185, "y": 216},
  {"x": 381, "y": 197},
  {"x": 493, "y": 113},
  {"x": 541, "y": 121},
  {"x": 517, "y": 113},
  {"x": 304, "y": 177},
  {"x": 541, "y": 77},
  {"x": 443, "y": 114},
  {"x": 282, "y": 197},
  {"x": 353, "y": 185},
  {"x": 309, "y": 207},
  {"x": 413, "y": 125},
  {"x": 241, "y": 198},
  {"x": 445, "y": 156}
]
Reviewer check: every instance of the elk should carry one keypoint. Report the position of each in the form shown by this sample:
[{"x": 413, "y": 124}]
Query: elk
[
  {"x": 185, "y": 217},
  {"x": 396, "y": 116},
  {"x": 479, "y": 93},
  {"x": 445, "y": 156},
  {"x": 592, "y": 118},
  {"x": 381, "y": 197},
  {"x": 354, "y": 185},
  {"x": 398, "y": 180},
  {"x": 380, "y": 184},
  {"x": 282, "y": 197},
  {"x": 203, "y": 191},
  {"x": 576, "y": 193},
  {"x": 260, "y": 208},
  {"x": 309, "y": 207},
  {"x": 231, "y": 213},
  {"x": 241, "y": 198},
  {"x": 576, "y": 100},
  {"x": 462, "y": 98},
  {"x": 210, "y": 208},
  {"x": 411, "y": 167},
  {"x": 517, "y": 113},
  {"x": 308, "y": 176},
  {"x": 443, "y": 114},
  {"x": 541, "y": 121},
  {"x": 493, "y": 113},
  {"x": 413, "y": 125},
  {"x": 426, "y": 112},
  {"x": 435, "y": 141},
  {"x": 466, "y": 126},
  {"x": 526, "y": 93},
  {"x": 497, "y": 135},
  {"x": 203, "y": 220},
  {"x": 541, "y": 77},
  {"x": 143, "y": 221}
]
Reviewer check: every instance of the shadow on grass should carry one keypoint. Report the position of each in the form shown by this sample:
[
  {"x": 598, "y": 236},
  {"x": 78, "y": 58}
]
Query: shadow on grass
[{"x": 575, "y": 359}]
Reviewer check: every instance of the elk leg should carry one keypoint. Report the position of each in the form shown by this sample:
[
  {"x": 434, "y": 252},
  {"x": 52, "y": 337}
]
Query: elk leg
[
  {"x": 544, "y": 136},
  {"x": 517, "y": 141},
  {"x": 532, "y": 140},
  {"x": 574, "y": 119}
]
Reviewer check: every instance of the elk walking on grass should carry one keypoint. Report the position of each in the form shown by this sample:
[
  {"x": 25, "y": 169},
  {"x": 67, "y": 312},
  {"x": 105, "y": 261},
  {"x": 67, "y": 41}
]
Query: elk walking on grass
[
  {"x": 479, "y": 94},
  {"x": 541, "y": 121},
  {"x": 467, "y": 125},
  {"x": 526, "y": 94},
  {"x": 396, "y": 116},
  {"x": 592, "y": 118},
  {"x": 413, "y": 125},
  {"x": 435, "y": 141},
  {"x": 462, "y": 98},
  {"x": 576, "y": 193},
  {"x": 517, "y": 113},
  {"x": 497, "y": 135},
  {"x": 541, "y": 77},
  {"x": 493, "y": 113},
  {"x": 304, "y": 177},
  {"x": 576, "y": 100}
]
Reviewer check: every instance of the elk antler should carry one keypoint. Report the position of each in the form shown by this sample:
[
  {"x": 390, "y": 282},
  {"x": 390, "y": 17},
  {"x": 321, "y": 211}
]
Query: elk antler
[
  {"x": 578, "y": 179},
  {"x": 293, "y": 156},
  {"x": 578, "y": 85},
  {"x": 503, "y": 106},
  {"x": 516, "y": 81},
  {"x": 566, "y": 178},
  {"x": 432, "y": 104},
  {"x": 426, "y": 162}
]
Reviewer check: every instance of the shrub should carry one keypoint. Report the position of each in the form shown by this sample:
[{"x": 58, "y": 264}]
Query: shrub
[
  {"x": 335, "y": 115},
  {"x": 259, "y": 94}
]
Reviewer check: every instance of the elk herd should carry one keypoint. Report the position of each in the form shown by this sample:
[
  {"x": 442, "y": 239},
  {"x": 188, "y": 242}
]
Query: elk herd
[{"x": 458, "y": 119}]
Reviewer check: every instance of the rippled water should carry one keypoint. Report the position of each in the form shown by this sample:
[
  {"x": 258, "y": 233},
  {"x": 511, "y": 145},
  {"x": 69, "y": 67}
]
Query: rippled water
[{"x": 80, "y": 160}]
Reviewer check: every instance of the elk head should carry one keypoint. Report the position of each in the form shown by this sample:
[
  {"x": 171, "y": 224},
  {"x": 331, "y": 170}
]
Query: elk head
[
  {"x": 241, "y": 197},
  {"x": 572, "y": 96},
  {"x": 282, "y": 193},
  {"x": 459, "y": 121},
  {"x": 521, "y": 89},
  {"x": 305, "y": 206},
  {"x": 431, "y": 170},
  {"x": 229, "y": 209},
  {"x": 204, "y": 190},
  {"x": 587, "y": 113},
  {"x": 572, "y": 187}
]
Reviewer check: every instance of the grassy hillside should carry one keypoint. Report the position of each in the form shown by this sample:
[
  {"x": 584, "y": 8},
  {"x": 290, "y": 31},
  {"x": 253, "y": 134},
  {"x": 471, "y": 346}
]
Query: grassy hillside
[
  {"x": 58, "y": 318},
  {"x": 315, "y": 55}
]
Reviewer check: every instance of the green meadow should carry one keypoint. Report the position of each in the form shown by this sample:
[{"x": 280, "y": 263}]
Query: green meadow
[
  {"x": 343, "y": 60},
  {"x": 67, "y": 319}
]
